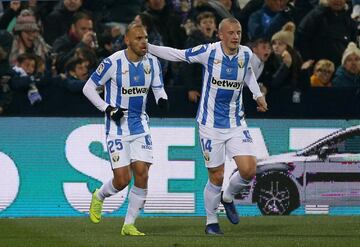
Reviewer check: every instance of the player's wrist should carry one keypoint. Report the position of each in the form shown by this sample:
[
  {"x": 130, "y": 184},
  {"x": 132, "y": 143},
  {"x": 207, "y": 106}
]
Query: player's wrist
[{"x": 256, "y": 96}]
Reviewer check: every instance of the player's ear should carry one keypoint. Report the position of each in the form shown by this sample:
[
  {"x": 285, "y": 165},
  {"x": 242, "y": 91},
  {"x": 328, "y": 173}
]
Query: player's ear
[{"x": 126, "y": 39}]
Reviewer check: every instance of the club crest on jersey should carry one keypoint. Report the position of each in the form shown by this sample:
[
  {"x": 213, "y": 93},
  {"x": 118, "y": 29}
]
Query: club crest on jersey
[
  {"x": 100, "y": 68},
  {"x": 241, "y": 63},
  {"x": 228, "y": 70},
  {"x": 147, "y": 69}
]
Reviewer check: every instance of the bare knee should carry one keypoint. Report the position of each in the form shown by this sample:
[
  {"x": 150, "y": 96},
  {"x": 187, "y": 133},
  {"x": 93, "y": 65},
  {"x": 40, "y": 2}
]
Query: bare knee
[
  {"x": 216, "y": 175},
  {"x": 246, "y": 166},
  {"x": 120, "y": 182}
]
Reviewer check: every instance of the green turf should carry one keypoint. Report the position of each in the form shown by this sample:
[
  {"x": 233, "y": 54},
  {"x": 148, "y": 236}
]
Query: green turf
[{"x": 181, "y": 231}]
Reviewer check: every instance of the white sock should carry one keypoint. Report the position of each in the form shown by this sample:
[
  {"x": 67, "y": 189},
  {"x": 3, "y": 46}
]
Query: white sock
[
  {"x": 106, "y": 190},
  {"x": 137, "y": 197},
  {"x": 236, "y": 183},
  {"x": 212, "y": 195}
]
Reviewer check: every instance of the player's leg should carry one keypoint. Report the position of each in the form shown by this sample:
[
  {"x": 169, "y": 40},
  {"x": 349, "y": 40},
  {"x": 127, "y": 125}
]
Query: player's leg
[
  {"x": 241, "y": 179},
  {"x": 142, "y": 157},
  {"x": 242, "y": 149},
  {"x": 120, "y": 163},
  {"x": 212, "y": 194},
  {"x": 213, "y": 150}
]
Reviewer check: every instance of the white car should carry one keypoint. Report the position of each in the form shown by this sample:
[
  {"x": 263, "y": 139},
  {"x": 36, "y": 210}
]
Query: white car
[{"x": 326, "y": 172}]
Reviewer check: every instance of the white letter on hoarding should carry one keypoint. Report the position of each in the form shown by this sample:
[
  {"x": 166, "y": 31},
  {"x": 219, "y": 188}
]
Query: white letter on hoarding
[
  {"x": 9, "y": 182},
  {"x": 159, "y": 200},
  {"x": 79, "y": 156}
]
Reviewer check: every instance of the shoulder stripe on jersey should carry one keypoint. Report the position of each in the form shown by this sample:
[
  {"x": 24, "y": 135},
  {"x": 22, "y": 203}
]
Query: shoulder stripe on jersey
[
  {"x": 119, "y": 86},
  {"x": 237, "y": 109},
  {"x": 247, "y": 57},
  {"x": 207, "y": 91},
  {"x": 152, "y": 70},
  {"x": 195, "y": 51},
  {"x": 103, "y": 67},
  {"x": 160, "y": 71},
  {"x": 107, "y": 100},
  {"x": 137, "y": 78}
]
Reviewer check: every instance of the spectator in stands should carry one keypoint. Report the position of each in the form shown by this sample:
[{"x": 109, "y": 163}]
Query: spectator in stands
[
  {"x": 113, "y": 13},
  {"x": 261, "y": 52},
  {"x": 59, "y": 20},
  {"x": 348, "y": 74},
  {"x": 88, "y": 56},
  {"x": 323, "y": 71},
  {"x": 24, "y": 77},
  {"x": 192, "y": 73},
  {"x": 10, "y": 13},
  {"x": 27, "y": 38},
  {"x": 5, "y": 76},
  {"x": 167, "y": 22},
  {"x": 283, "y": 69},
  {"x": 81, "y": 34},
  {"x": 76, "y": 74},
  {"x": 325, "y": 32},
  {"x": 268, "y": 20}
]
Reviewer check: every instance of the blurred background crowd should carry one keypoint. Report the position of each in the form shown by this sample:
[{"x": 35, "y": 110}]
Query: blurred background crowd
[{"x": 306, "y": 52}]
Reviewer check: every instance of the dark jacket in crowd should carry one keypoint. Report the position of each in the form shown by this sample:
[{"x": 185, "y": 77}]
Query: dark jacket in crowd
[
  {"x": 342, "y": 78},
  {"x": 264, "y": 23},
  {"x": 168, "y": 23},
  {"x": 324, "y": 34},
  {"x": 57, "y": 23},
  {"x": 65, "y": 48}
]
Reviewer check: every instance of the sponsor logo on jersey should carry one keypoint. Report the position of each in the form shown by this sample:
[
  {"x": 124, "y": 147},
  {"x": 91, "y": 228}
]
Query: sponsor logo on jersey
[
  {"x": 226, "y": 84},
  {"x": 134, "y": 91}
]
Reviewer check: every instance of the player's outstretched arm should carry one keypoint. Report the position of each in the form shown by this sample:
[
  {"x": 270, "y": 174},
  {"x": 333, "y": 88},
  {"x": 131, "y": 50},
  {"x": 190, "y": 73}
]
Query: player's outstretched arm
[{"x": 167, "y": 53}]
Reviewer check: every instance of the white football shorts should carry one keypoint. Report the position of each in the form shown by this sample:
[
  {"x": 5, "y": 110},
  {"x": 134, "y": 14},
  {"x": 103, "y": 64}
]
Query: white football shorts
[
  {"x": 123, "y": 153},
  {"x": 216, "y": 144}
]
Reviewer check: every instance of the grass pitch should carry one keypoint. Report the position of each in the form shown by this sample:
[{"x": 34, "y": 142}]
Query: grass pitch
[{"x": 183, "y": 231}]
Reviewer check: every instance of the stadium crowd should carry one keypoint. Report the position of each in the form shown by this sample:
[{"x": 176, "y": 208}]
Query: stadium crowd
[{"x": 48, "y": 49}]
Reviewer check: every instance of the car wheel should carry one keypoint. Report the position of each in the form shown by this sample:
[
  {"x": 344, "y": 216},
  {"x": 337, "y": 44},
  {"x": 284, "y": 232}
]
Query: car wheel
[{"x": 275, "y": 194}]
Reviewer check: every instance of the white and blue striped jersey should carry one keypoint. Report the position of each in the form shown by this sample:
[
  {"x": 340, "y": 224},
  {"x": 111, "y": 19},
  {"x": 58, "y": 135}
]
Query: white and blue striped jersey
[
  {"x": 223, "y": 80},
  {"x": 126, "y": 85}
]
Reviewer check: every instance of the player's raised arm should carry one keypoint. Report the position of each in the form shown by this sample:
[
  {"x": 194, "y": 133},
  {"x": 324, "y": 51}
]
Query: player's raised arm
[
  {"x": 98, "y": 78},
  {"x": 197, "y": 54},
  {"x": 167, "y": 53}
]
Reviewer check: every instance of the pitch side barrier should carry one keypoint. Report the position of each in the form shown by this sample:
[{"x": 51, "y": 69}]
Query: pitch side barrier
[{"x": 49, "y": 166}]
